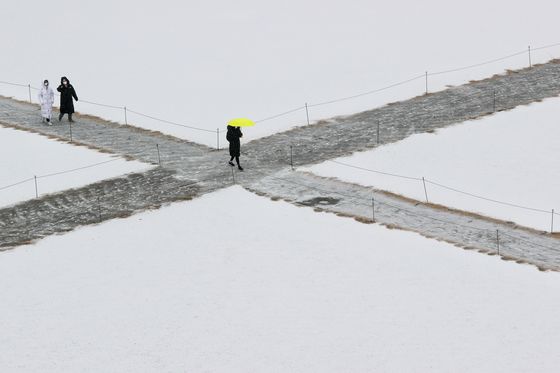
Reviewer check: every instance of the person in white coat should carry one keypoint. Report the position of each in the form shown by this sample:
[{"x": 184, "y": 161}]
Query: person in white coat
[{"x": 46, "y": 99}]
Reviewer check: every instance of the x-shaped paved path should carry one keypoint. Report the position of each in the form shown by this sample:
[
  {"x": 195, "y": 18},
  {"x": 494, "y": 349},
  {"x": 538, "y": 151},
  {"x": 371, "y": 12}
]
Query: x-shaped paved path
[{"x": 188, "y": 170}]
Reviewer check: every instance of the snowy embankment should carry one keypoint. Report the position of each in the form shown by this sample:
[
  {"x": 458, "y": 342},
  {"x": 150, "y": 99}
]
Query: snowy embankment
[
  {"x": 233, "y": 282},
  {"x": 510, "y": 157},
  {"x": 58, "y": 166},
  {"x": 203, "y": 65}
]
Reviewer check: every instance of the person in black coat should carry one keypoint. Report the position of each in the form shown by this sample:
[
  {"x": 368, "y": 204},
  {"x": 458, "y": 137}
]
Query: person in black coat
[
  {"x": 233, "y": 136},
  {"x": 67, "y": 92}
]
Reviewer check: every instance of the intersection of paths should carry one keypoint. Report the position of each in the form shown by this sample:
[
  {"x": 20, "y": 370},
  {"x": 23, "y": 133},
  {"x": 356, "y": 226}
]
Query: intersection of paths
[{"x": 188, "y": 170}]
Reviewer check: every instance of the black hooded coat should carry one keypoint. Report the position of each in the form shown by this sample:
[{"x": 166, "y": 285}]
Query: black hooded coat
[
  {"x": 233, "y": 136},
  {"x": 66, "y": 94}
]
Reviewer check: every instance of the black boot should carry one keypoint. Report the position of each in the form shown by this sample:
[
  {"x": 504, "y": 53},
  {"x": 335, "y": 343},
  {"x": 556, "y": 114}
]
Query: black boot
[
  {"x": 60, "y": 116},
  {"x": 231, "y": 163},
  {"x": 70, "y": 118},
  {"x": 240, "y": 168}
]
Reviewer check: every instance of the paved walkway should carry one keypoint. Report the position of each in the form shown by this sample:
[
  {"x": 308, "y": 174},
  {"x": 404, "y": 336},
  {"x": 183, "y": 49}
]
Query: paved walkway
[
  {"x": 108, "y": 199},
  {"x": 189, "y": 170},
  {"x": 366, "y": 205}
]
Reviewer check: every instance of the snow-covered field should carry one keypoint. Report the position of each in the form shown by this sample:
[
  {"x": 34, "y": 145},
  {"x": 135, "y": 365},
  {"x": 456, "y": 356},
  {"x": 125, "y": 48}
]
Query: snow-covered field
[
  {"x": 209, "y": 286},
  {"x": 25, "y": 155},
  {"x": 201, "y": 63},
  {"x": 233, "y": 282},
  {"x": 508, "y": 157}
]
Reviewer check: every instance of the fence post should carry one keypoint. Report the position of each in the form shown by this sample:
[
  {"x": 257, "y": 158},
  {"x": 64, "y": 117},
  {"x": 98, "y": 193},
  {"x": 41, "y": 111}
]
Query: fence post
[
  {"x": 498, "y": 240},
  {"x": 70, "y": 123},
  {"x": 307, "y": 113},
  {"x": 552, "y": 223},
  {"x": 36, "y": 188},
  {"x": 377, "y": 132},
  {"x": 125, "y": 117},
  {"x": 425, "y": 190},
  {"x": 158, "y": 156},
  {"x": 29, "y": 88},
  {"x": 426, "y": 82},
  {"x": 372, "y": 207},
  {"x": 530, "y": 63},
  {"x": 292, "y": 157},
  {"x": 217, "y": 138}
]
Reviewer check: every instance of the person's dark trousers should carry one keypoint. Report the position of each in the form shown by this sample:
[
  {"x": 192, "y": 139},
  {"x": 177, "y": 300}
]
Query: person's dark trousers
[{"x": 62, "y": 115}]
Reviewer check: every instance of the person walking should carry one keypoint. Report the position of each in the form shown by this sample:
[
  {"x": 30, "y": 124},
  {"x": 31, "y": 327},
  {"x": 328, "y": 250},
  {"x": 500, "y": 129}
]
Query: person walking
[
  {"x": 234, "y": 135},
  {"x": 67, "y": 92},
  {"x": 46, "y": 99}
]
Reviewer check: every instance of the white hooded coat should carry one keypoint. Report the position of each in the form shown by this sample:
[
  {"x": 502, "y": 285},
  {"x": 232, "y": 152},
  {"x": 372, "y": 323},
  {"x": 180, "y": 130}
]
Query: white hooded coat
[{"x": 46, "y": 99}]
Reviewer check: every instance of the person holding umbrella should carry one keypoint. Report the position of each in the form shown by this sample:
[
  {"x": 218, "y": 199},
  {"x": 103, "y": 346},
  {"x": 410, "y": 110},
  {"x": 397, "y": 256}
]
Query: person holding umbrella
[
  {"x": 66, "y": 93},
  {"x": 233, "y": 136}
]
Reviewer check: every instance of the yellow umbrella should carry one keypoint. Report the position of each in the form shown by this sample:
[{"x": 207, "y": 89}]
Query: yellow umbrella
[{"x": 241, "y": 122}]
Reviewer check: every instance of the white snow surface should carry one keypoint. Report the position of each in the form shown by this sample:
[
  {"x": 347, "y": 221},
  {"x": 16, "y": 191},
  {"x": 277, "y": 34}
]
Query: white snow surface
[
  {"x": 209, "y": 286},
  {"x": 509, "y": 157},
  {"x": 201, "y": 63},
  {"x": 24, "y": 155}
]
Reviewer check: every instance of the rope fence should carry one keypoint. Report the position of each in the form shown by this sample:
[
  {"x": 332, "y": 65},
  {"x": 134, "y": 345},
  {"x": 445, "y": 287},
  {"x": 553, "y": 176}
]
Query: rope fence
[
  {"x": 503, "y": 245},
  {"x": 96, "y": 205},
  {"x": 424, "y": 180},
  {"x": 76, "y": 169},
  {"x": 15, "y": 184},
  {"x": 170, "y": 122},
  {"x": 307, "y": 106},
  {"x": 425, "y": 75},
  {"x": 492, "y": 236},
  {"x": 35, "y": 178}
]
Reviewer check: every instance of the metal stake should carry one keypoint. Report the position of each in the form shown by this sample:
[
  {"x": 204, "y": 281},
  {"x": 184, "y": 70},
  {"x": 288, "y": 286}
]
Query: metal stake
[
  {"x": 125, "y": 118},
  {"x": 530, "y": 63},
  {"x": 426, "y": 82},
  {"x": 218, "y": 138},
  {"x": 425, "y": 190},
  {"x": 498, "y": 240},
  {"x": 494, "y": 101},
  {"x": 307, "y": 113},
  {"x": 372, "y": 207},
  {"x": 36, "y": 188},
  {"x": 99, "y": 208},
  {"x": 158, "y": 155},
  {"x": 377, "y": 132},
  {"x": 232, "y": 175},
  {"x": 552, "y": 223},
  {"x": 70, "y": 123},
  {"x": 292, "y": 157}
]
